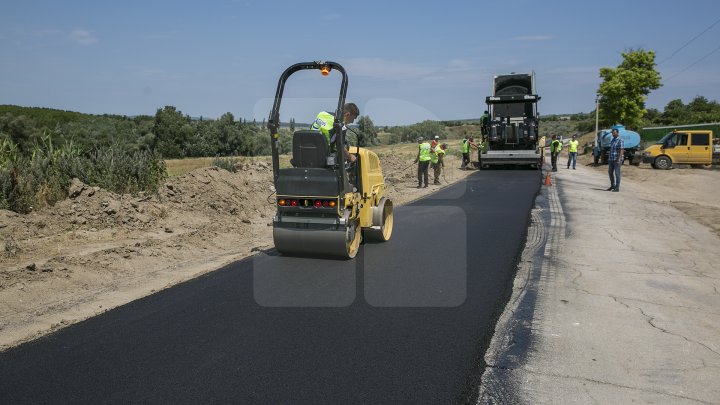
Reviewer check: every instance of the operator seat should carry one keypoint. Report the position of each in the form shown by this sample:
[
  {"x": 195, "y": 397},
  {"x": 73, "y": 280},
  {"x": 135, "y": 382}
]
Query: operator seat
[{"x": 310, "y": 149}]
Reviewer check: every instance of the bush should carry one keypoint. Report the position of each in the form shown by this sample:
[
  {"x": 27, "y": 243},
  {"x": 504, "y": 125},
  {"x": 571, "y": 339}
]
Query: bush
[
  {"x": 226, "y": 163},
  {"x": 42, "y": 178}
]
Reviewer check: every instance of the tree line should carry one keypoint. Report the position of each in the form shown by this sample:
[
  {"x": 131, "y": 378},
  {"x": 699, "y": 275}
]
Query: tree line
[{"x": 42, "y": 149}]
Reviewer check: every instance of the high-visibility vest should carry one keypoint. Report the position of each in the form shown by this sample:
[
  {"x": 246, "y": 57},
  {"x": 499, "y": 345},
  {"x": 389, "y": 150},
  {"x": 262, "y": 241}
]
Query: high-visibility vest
[
  {"x": 465, "y": 146},
  {"x": 555, "y": 146},
  {"x": 573, "y": 146},
  {"x": 435, "y": 157},
  {"x": 424, "y": 152},
  {"x": 324, "y": 123}
]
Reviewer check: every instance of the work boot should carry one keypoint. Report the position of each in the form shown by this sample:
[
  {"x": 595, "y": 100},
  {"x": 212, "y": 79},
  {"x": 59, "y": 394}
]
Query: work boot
[{"x": 425, "y": 186}]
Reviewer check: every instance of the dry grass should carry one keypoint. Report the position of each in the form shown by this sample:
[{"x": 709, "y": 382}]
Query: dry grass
[{"x": 177, "y": 167}]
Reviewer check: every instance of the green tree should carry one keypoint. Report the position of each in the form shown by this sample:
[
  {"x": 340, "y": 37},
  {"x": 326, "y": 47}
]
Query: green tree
[
  {"x": 20, "y": 130},
  {"x": 367, "y": 134},
  {"x": 702, "y": 110},
  {"x": 625, "y": 88},
  {"x": 172, "y": 131}
]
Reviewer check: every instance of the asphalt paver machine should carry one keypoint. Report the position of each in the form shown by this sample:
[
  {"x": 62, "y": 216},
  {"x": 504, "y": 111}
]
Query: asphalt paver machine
[{"x": 326, "y": 205}]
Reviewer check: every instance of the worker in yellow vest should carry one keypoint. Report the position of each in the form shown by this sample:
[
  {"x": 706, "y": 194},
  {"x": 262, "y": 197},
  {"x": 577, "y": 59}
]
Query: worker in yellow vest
[
  {"x": 465, "y": 147},
  {"x": 572, "y": 151},
  {"x": 423, "y": 160},
  {"x": 555, "y": 148},
  {"x": 436, "y": 159},
  {"x": 324, "y": 124}
]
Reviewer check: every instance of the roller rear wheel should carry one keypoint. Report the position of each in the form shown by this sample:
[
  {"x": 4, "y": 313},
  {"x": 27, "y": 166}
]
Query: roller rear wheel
[{"x": 384, "y": 232}]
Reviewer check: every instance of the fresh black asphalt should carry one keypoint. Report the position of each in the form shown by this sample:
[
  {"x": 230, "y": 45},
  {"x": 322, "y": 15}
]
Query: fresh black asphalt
[{"x": 407, "y": 321}]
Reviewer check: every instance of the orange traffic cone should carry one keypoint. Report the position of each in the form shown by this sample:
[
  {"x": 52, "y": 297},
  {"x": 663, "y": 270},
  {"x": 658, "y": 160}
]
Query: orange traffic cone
[{"x": 548, "y": 181}]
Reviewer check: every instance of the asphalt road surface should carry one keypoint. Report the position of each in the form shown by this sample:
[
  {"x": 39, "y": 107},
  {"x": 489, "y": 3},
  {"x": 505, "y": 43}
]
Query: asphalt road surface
[{"x": 407, "y": 321}]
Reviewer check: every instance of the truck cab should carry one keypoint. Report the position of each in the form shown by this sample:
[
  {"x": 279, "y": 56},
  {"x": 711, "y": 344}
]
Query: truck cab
[{"x": 693, "y": 147}]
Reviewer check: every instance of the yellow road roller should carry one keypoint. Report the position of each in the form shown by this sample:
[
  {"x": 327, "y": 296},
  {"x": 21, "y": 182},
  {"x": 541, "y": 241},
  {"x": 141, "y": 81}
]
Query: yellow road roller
[{"x": 325, "y": 204}]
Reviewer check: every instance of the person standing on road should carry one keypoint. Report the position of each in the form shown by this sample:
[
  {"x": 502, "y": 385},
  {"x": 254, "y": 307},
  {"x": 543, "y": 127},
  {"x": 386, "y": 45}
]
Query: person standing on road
[
  {"x": 423, "y": 161},
  {"x": 437, "y": 161},
  {"x": 572, "y": 151},
  {"x": 465, "y": 148},
  {"x": 555, "y": 148},
  {"x": 617, "y": 152}
]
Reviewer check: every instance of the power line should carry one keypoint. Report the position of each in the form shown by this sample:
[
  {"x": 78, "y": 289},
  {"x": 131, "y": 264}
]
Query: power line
[
  {"x": 694, "y": 63},
  {"x": 689, "y": 42}
]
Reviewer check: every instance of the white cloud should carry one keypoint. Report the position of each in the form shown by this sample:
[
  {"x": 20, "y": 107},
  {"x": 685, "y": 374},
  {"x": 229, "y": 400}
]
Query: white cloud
[
  {"x": 83, "y": 37},
  {"x": 534, "y": 38}
]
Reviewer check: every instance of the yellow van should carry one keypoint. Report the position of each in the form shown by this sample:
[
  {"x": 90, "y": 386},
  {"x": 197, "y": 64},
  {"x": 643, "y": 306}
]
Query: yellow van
[{"x": 693, "y": 147}]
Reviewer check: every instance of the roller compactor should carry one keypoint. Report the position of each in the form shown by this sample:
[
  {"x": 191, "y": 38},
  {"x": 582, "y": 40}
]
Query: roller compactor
[{"x": 325, "y": 205}]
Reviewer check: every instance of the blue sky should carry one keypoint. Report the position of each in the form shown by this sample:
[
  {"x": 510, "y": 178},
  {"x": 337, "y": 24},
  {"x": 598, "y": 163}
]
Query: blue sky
[{"x": 407, "y": 61}]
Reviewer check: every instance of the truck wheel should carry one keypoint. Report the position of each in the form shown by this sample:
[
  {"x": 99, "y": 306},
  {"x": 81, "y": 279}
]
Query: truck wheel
[{"x": 663, "y": 162}]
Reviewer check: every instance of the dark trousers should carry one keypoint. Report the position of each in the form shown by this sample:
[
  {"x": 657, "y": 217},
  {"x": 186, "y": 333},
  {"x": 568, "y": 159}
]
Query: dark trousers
[
  {"x": 614, "y": 173},
  {"x": 553, "y": 160},
  {"x": 466, "y": 160},
  {"x": 423, "y": 172}
]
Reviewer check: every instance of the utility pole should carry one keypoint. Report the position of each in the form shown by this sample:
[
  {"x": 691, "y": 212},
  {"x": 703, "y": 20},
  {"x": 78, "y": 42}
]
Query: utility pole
[{"x": 597, "y": 118}]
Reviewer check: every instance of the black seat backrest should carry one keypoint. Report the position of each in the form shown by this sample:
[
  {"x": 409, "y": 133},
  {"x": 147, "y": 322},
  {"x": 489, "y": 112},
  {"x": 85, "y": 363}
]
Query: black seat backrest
[{"x": 310, "y": 149}]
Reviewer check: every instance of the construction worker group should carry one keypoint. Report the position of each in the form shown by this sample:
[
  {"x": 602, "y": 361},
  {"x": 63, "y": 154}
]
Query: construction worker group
[{"x": 430, "y": 154}]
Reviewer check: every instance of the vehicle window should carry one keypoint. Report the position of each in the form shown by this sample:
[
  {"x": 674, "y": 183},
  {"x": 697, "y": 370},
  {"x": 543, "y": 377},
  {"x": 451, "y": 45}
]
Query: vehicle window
[
  {"x": 682, "y": 139},
  {"x": 701, "y": 139},
  {"x": 667, "y": 137}
]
